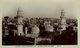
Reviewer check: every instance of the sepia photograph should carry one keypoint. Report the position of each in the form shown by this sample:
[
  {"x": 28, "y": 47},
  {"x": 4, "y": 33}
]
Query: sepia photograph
[{"x": 39, "y": 23}]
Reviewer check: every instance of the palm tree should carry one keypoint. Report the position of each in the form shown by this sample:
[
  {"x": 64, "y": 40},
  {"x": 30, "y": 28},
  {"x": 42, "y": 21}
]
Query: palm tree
[{"x": 6, "y": 20}]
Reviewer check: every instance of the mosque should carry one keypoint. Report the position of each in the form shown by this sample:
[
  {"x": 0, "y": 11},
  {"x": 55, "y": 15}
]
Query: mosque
[{"x": 20, "y": 21}]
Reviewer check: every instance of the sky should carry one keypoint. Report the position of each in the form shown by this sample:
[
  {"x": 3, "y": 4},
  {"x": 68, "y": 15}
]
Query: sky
[{"x": 39, "y": 8}]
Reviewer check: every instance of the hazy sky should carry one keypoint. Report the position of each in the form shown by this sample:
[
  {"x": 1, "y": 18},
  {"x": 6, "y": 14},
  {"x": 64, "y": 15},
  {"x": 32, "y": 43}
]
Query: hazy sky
[{"x": 38, "y": 8}]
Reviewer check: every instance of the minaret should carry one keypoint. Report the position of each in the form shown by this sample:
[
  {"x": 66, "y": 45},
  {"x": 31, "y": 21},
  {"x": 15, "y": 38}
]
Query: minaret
[
  {"x": 63, "y": 20},
  {"x": 19, "y": 22}
]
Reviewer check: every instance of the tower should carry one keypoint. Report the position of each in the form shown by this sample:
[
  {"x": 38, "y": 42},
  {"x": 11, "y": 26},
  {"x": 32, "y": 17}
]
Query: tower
[
  {"x": 19, "y": 22},
  {"x": 63, "y": 20}
]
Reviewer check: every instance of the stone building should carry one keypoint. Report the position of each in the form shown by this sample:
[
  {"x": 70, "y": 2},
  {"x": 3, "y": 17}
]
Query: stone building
[
  {"x": 19, "y": 22},
  {"x": 63, "y": 20}
]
